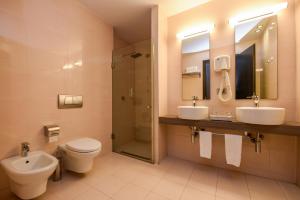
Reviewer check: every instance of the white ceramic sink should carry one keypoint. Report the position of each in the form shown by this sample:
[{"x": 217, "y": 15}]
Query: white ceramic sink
[
  {"x": 260, "y": 115},
  {"x": 193, "y": 112},
  {"x": 29, "y": 175}
]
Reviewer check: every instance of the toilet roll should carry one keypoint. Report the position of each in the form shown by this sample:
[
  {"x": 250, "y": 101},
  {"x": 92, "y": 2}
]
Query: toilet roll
[{"x": 53, "y": 139}]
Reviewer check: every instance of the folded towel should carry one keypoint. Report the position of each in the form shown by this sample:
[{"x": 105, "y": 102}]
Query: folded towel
[
  {"x": 233, "y": 149},
  {"x": 205, "y": 144}
]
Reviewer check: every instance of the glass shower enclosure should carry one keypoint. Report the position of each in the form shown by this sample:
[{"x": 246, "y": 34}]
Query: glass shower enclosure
[{"x": 132, "y": 101}]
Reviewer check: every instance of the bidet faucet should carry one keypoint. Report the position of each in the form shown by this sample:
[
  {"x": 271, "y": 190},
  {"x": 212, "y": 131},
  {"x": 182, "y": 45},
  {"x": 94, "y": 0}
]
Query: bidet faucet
[
  {"x": 195, "y": 98},
  {"x": 256, "y": 100},
  {"x": 25, "y": 148}
]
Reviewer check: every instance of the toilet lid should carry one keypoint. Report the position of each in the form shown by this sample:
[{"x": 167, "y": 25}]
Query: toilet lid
[{"x": 84, "y": 145}]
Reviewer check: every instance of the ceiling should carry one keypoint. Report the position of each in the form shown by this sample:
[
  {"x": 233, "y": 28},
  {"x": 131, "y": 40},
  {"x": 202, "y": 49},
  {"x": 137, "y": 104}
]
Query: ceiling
[{"x": 131, "y": 19}]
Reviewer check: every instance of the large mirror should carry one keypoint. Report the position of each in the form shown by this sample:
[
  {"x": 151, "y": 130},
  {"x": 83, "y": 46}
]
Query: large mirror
[
  {"x": 256, "y": 59},
  {"x": 196, "y": 67}
]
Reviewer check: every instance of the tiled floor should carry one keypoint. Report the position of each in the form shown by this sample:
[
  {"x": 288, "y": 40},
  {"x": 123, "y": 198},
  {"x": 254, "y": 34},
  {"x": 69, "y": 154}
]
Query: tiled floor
[{"x": 118, "y": 177}]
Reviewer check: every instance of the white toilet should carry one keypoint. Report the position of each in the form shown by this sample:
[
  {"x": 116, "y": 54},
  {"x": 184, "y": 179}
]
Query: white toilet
[{"x": 79, "y": 154}]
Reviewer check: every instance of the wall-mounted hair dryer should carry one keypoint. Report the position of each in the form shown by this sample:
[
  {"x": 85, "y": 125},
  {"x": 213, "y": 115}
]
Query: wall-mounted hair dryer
[{"x": 222, "y": 64}]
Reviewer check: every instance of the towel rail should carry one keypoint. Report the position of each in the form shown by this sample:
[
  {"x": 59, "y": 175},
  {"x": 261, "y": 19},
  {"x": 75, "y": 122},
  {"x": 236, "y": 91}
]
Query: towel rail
[{"x": 256, "y": 140}]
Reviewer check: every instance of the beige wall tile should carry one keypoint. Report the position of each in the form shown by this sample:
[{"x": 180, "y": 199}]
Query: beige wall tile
[
  {"x": 277, "y": 160},
  {"x": 297, "y": 16},
  {"x": 37, "y": 39}
]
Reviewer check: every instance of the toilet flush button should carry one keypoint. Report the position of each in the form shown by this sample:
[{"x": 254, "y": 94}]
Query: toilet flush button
[
  {"x": 68, "y": 100},
  {"x": 77, "y": 100}
]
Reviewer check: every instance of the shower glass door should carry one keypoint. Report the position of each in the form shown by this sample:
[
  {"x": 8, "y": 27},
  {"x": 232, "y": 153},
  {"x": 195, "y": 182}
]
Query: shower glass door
[{"x": 132, "y": 101}]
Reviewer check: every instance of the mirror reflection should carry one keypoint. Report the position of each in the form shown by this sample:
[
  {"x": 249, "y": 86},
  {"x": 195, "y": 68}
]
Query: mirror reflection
[
  {"x": 196, "y": 67},
  {"x": 256, "y": 58}
]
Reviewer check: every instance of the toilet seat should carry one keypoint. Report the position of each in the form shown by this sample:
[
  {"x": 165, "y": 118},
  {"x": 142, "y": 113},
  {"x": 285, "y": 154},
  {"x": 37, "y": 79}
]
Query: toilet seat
[{"x": 83, "y": 145}]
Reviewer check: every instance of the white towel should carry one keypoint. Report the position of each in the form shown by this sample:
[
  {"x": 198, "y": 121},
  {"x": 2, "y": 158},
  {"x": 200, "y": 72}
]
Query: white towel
[
  {"x": 233, "y": 149},
  {"x": 205, "y": 144}
]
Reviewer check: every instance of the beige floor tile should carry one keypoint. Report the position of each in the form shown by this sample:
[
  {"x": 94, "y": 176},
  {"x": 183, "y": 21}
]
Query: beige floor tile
[
  {"x": 153, "y": 196},
  {"x": 232, "y": 186},
  {"x": 219, "y": 198},
  {"x": 147, "y": 181},
  {"x": 120, "y": 178},
  {"x": 127, "y": 173},
  {"x": 92, "y": 194},
  {"x": 169, "y": 189},
  {"x": 152, "y": 169},
  {"x": 109, "y": 184},
  {"x": 178, "y": 176},
  {"x": 205, "y": 179},
  {"x": 131, "y": 192},
  {"x": 190, "y": 193},
  {"x": 180, "y": 172},
  {"x": 264, "y": 189},
  {"x": 104, "y": 169},
  {"x": 49, "y": 196},
  {"x": 292, "y": 192},
  {"x": 167, "y": 163},
  {"x": 69, "y": 187}
]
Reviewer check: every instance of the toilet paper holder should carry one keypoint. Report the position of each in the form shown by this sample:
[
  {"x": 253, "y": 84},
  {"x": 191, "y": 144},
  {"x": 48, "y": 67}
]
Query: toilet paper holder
[{"x": 52, "y": 130}]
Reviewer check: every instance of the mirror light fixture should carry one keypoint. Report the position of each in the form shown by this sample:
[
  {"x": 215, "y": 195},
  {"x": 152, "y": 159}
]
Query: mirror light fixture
[
  {"x": 257, "y": 14},
  {"x": 195, "y": 31}
]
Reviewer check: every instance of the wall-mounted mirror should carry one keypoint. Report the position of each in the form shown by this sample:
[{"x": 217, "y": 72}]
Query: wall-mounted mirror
[
  {"x": 256, "y": 58},
  {"x": 195, "y": 67}
]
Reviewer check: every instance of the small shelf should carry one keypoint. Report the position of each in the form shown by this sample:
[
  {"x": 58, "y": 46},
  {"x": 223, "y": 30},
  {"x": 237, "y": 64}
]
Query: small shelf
[
  {"x": 289, "y": 128},
  {"x": 191, "y": 74}
]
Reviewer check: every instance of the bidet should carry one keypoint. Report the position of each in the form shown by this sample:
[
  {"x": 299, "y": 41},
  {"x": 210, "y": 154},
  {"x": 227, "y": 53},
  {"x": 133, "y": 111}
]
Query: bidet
[{"x": 28, "y": 176}]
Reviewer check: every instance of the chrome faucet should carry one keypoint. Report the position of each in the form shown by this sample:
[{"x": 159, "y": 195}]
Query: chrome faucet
[
  {"x": 195, "y": 98},
  {"x": 25, "y": 148},
  {"x": 256, "y": 100}
]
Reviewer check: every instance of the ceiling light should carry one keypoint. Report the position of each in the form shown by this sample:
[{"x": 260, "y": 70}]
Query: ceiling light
[{"x": 196, "y": 31}]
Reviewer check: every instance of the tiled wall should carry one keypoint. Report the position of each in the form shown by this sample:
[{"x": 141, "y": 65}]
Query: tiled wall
[
  {"x": 47, "y": 48},
  {"x": 298, "y": 169},
  {"x": 297, "y": 15},
  {"x": 159, "y": 39},
  {"x": 279, "y": 153}
]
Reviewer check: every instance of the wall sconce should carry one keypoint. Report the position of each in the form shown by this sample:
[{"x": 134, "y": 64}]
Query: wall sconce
[
  {"x": 195, "y": 31},
  {"x": 257, "y": 14}
]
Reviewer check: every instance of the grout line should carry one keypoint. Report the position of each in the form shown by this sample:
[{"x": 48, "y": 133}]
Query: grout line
[
  {"x": 217, "y": 183},
  {"x": 247, "y": 183},
  {"x": 283, "y": 190},
  {"x": 187, "y": 182}
]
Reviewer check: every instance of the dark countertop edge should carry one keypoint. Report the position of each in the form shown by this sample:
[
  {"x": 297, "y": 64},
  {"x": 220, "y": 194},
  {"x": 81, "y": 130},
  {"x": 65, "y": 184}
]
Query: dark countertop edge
[{"x": 289, "y": 128}]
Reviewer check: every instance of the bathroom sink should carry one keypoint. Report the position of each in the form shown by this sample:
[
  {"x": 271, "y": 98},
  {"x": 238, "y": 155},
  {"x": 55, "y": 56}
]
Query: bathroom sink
[
  {"x": 261, "y": 115},
  {"x": 29, "y": 175},
  {"x": 193, "y": 112}
]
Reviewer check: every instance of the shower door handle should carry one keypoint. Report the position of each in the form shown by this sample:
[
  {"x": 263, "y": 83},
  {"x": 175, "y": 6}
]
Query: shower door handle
[{"x": 131, "y": 93}]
